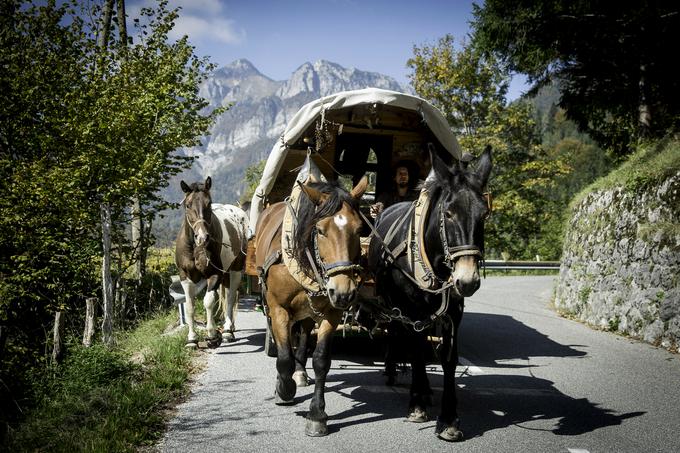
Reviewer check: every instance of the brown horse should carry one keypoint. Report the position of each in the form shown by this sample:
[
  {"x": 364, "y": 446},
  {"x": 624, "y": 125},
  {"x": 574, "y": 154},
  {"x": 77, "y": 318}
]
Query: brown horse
[
  {"x": 326, "y": 246},
  {"x": 210, "y": 246}
]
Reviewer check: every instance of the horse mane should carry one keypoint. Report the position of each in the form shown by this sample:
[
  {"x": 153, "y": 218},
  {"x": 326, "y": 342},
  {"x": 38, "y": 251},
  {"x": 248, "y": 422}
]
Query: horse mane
[
  {"x": 308, "y": 214},
  {"x": 196, "y": 186}
]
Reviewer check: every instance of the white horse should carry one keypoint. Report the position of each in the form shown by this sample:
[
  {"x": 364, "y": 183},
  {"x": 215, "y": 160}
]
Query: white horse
[{"x": 211, "y": 245}]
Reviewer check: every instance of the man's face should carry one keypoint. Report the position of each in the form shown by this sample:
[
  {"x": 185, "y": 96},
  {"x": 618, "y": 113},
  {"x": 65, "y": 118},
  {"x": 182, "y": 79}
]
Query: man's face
[{"x": 401, "y": 177}]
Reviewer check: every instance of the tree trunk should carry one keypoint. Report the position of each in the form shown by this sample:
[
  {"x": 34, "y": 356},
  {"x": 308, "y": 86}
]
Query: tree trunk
[
  {"x": 58, "y": 336},
  {"x": 122, "y": 25},
  {"x": 138, "y": 249},
  {"x": 645, "y": 115},
  {"x": 107, "y": 284},
  {"x": 103, "y": 38},
  {"x": 137, "y": 242},
  {"x": 90, "y": 316},
  {"x": 3, "y": 340}
]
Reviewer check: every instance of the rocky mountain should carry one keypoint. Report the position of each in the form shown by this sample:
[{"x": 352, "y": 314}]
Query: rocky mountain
[{"x": 260, "y": 109}]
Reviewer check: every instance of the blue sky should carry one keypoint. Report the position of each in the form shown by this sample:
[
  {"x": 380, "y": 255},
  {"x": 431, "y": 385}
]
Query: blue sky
[{"x": 279, "y": 36}]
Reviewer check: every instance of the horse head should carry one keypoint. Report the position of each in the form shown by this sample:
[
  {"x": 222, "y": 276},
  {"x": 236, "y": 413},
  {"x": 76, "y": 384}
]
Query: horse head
[
  {"x": 197, "y": 210},
  {"x": 331, "y": 234},
  {"x": 457, "y": 219}
]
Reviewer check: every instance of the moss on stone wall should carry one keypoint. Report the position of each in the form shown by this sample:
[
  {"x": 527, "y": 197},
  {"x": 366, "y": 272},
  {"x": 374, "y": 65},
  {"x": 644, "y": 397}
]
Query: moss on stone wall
[{"x": 621, "y": 258}]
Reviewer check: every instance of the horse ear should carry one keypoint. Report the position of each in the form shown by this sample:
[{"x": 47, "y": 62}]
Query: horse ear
[
  {"x": 208, "y": 184},
  {"x": 360, "y": 188},
  {"x": 315, "y": 195},
  {"x": 185, "y": 187},
  {"x": 439, "y": 166},
  {"x": 484, "y": 165}
]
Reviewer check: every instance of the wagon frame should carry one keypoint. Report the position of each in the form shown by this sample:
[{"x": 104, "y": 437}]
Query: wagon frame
[{"x": 347, "y": 135}]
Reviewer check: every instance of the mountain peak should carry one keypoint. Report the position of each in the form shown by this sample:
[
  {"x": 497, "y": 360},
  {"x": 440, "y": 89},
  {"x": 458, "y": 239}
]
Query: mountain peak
[
  {"x": 243, "y": 64},
  {"x": 240, "y": 68}
]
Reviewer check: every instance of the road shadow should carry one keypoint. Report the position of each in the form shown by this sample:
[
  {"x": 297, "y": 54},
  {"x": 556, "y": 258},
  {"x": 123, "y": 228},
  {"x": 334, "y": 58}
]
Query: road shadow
[
  {"x": 251, "y": 337},
  {"x": 488, "y": 402},
  {"x": 487, "y": 339},
  {"x": 485, "y": 403}
]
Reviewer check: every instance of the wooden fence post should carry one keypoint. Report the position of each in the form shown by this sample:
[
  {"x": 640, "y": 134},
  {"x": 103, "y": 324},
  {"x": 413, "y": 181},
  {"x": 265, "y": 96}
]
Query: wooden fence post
[
  {"x": 58, "y": 343},
  {"x": 90, "y": 316}
]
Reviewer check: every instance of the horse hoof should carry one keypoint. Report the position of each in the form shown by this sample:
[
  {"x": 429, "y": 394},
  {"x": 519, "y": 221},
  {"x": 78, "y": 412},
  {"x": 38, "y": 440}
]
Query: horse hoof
[
  {"x": 417, "y": 416},
  {"x": 316, "y": 429},
  {"x": 214, "y": 342},
  {"x": 229, "y": 336},
  {"x": 281, "y": 401},
  {"x": 301, "y": 378},
  {"x": 449, "y": 433},
  {"x": 191, "y": 345}
]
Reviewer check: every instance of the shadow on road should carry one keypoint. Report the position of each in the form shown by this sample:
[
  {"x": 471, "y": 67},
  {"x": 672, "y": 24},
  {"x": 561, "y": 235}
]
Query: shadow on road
[
  {"x": 486, "y": 339},
  {"x": 486, "y": 401},
  {"x": 253, "y": 337}
]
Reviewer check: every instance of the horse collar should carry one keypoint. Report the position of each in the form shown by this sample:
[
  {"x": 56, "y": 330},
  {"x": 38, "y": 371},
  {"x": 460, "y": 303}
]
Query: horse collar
[{"x": 419, "y": 262}]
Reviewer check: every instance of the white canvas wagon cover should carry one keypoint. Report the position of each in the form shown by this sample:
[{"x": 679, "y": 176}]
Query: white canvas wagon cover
[{"x": 312, "y": 112}]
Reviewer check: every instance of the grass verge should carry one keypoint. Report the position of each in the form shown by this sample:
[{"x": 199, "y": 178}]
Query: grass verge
[
  {"x": 652, "y": 162},
  {"x": 101, "y": 399}
]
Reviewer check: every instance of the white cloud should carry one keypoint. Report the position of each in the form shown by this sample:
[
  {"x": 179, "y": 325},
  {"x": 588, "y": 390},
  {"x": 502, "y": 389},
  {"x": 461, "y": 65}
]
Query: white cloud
[
  {"x": 212, "y": 29},
  {"x": 200, "y": 20},
  {"x": 201, "y": 7}
]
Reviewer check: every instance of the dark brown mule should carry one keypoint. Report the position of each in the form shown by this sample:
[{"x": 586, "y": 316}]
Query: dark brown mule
[
  {"x": 328, "y": 226},
  {"x": 453, "y": 243},
  {"x": 209, "y": 246}
]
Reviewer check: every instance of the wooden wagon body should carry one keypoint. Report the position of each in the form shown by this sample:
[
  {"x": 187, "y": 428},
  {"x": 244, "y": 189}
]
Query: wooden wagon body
[{"x": 347, "y": 135}]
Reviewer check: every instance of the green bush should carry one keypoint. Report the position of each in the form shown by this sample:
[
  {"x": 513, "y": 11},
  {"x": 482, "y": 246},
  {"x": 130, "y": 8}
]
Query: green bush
[{"x": 101, "y": 399}]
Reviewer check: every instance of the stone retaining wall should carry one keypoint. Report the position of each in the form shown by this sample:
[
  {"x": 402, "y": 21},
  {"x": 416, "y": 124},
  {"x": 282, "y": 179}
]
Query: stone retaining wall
[{"x": 621, "y": 262}]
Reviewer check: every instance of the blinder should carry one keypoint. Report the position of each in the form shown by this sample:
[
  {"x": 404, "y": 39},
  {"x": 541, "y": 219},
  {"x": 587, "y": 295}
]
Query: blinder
[
  {"x": 338, "y": 267},
  {"x": 489, "y": 203},
  {"x": 453, "y": 253}
]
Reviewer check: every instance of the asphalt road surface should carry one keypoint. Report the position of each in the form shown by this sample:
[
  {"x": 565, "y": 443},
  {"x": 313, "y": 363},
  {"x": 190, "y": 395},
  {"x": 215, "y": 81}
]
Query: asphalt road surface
[{"x": 529, "y": 381}]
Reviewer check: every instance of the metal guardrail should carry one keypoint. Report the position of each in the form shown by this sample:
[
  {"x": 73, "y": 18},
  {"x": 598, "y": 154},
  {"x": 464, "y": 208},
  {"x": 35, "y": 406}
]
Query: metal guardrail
[{"x": 522, "y": 265}]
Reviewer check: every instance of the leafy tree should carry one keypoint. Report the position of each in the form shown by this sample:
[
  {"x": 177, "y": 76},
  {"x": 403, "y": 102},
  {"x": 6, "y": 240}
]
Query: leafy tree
[
  {"x": 251, "y": 178},
  {"x": 563, "y": 141},
  {"x": 613, "y": 60},
  {"x": 470, "y": 89},
  {"x": 80, "y": 128}
]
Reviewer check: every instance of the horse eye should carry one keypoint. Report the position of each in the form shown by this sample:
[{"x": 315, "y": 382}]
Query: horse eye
[
  {"x": 321, "y": 232},
  {"x": 448, "y": 215}
]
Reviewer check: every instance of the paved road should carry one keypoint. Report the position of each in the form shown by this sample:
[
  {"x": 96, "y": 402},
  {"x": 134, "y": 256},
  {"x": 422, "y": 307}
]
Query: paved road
[{"x": 529, "y": 381}]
